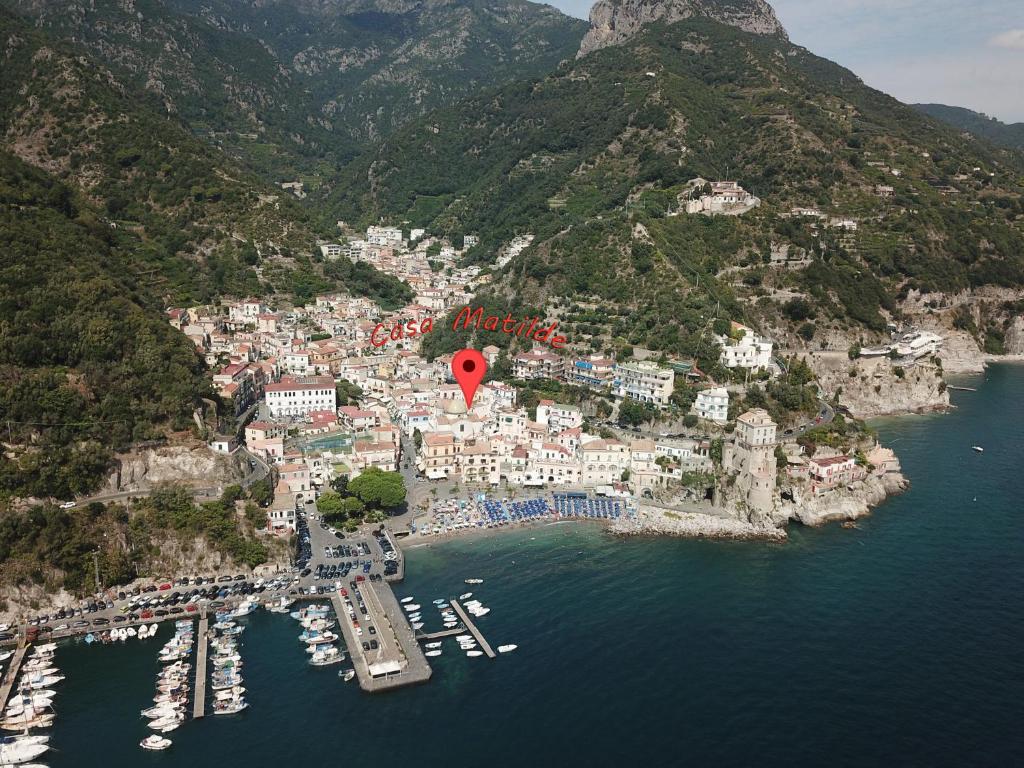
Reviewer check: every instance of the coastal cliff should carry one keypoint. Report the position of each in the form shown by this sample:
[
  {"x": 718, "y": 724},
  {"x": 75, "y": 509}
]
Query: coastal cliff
[{"x": 871, "y": 387}]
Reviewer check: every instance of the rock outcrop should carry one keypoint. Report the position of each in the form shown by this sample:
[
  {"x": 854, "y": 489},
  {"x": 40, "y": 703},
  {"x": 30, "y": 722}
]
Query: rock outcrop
[
  {"x": 613, "y": 21},
  {"x": 845, "y": 503},
  {"x": 656, "y": 521},
  {"x": 872, "y": 387},
  {"x": 198, "y": 467}
]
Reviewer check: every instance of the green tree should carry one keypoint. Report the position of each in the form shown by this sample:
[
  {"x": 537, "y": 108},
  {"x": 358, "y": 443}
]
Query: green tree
[
  {"x": 331, "y": 505},
  {"x": 261, "y": 492},
  {"x": 379, "y": 489}
]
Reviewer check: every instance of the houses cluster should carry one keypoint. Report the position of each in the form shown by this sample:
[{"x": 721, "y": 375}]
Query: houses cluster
[
  {"x": 713, "y": 198},
  {"x": 497, "y": 442},
  {"x": 429, "y": 265}
]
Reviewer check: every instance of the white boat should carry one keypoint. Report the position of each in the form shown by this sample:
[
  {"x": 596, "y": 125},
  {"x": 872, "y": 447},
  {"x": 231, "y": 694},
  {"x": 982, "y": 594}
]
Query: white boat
[
  {"x": 25, "y": 739},
  {"x": 480, "y": 611},
  {"x": 463, "y": 638},
  {"x": 143, "y": 632},
  {"x": 132, "y": 632},
  {"x": 435, "y": 644},
  {"x": 155, "y": 742},
  {"x": 465, "y": 596},
  {"x": 417, "y": 625},
  {"x": 507, "y": 648},
  {"x": 406, "y": 600},
  {"x": 435, "y": 652},
  {"x": 346, "y": 674},
  {"x": 977, "y": 448},
  {"x": 230, "y": 707},
  {"x": 474, "y": 581},
  {"x": 167, "y": 724},
  {"x": 5, "y": 655},
  {"x": 436, "y": 602},
  {"x": 324, "y": 658},
  {"x": 36, "y": 682},
  {"x": 164, "y": 709},
  {"x": 20, "y": 752},
  {"x": 474, "y": 653},
  {"x": 152, "y": 630},
  {"x": 410, "y": 607},
  {"x": 472, "y": 604},
  {"x": 45, "y": 648}
]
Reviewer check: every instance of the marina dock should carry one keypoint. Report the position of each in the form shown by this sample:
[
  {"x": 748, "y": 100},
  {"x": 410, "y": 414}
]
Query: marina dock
[
  {"x": 199, "y": 704},
  {"x": 398, "y": 660},
  {"x": 427, "y": 636},
  {"x": 12, "y": 674},
  {"x": 472, "y": 629}
]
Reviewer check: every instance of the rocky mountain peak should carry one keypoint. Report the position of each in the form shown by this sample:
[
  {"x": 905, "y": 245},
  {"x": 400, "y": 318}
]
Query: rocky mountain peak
[{"x": 613, "y": 21}]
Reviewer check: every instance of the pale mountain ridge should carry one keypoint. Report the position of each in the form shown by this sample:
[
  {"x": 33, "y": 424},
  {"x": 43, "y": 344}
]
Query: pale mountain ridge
[{"x": 615, "y": 21}]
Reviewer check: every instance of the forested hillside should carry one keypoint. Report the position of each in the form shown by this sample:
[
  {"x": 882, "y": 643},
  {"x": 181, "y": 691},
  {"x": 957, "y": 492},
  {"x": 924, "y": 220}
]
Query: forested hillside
[
  {"x": 88, "y": 361},
  {"x": 292, "y": 89},
  {"x": 594, "y": 161},
  {"x": 984, "y": 127},
  {"x": 206, "y": 227}
]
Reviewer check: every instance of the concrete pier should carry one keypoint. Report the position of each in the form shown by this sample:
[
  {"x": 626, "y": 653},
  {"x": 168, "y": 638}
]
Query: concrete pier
[
  {"x": 398, "y": 660},
  {"x": 472, "y": 629},
  {"x": 12, "y": 674},
  {"x": 199, "y": 690}
]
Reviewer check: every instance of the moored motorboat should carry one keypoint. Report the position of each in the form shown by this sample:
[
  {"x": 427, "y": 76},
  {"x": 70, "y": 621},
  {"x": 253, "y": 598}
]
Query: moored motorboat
[
  {"x": 507, "y": 648},
  {"x": 474, "y": 581},
  {"x": 155, "y": 742},
  {"x": 435, "y": 652},
  {"x": 346, "y": 674},
  {"x": 474, "y": 653}
]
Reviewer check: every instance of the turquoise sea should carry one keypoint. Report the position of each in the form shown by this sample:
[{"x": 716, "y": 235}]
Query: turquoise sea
[{"x": 901, "y": 643}]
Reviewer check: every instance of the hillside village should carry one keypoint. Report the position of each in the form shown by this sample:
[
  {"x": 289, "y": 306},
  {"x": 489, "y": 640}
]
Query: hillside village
[{"x": 316, "y": 393}]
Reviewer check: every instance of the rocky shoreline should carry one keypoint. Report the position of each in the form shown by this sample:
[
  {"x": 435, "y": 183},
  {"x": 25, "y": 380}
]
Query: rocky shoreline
[
  {"x": 656, "y": 521},
  {"x": 850, "y": 503}
]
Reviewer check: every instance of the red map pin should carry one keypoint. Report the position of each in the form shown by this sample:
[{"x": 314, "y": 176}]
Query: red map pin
[{"x": 468, "y": 367}]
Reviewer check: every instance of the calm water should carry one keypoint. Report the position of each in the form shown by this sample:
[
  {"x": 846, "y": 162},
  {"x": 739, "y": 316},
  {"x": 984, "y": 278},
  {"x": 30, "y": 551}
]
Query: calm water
[{"x": 899, "y": 643}]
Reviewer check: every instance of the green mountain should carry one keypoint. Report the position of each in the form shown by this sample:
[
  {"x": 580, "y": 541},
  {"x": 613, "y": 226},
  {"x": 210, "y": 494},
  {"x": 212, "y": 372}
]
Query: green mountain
[
  {"x": 984, "y": 127},
  {"x": 594, "y": 160},
  {"x": 88, "y": 360},
  {"x": 207, "y": 227},
  {"x": 294, "y": 87}
]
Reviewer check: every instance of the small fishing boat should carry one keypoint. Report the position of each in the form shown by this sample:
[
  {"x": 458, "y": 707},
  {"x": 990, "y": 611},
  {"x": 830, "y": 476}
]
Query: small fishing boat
[
  {"x": 977, "y": 448},
  {"x": 411, "y": 607},
  {"x": 480, "y": 611},
  {"x": 474, "y": 653},
  {"x": 436, "y": 602},
  {"x": 463, "y": 638},
  {"x": 435, "y": 652},
  {"x": 465, "y": 596},
  {"x": 155, "y": 742},
  {"x": 474, "y": 581},
  {"x": 417, "y": 625},
  {"x": 346, "y": 674},
  {"x": 507, "y": 648},
  {"x": 435, "y": 644},
  {"x": 406, "y": 600}
]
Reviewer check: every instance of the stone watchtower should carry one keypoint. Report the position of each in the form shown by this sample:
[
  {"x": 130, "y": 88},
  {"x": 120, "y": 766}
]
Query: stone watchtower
[{"x": 753, "y": 459}]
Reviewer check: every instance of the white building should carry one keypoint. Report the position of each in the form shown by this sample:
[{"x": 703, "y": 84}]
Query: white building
[
  {"x": 745, "y": 349},
  {"x": 383, "y": 236},
  {"x": 297, "y": 396},
  {"x": 330, "y": 250},
  {"x": 713, "y": 405},
  {"x": 645, "y": 381}
]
